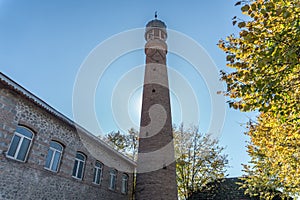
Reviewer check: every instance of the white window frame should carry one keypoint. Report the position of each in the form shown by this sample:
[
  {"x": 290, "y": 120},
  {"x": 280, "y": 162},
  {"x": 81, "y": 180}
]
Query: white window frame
[
  {"x": 22, "y": 137},
  {"x": 77, "y": 166},
  {"x": 124, "y": 188},
  {"x": 112, "y": 176},
  {"x": 98, "y": 170},
  {"x": 53, "y": 154}
]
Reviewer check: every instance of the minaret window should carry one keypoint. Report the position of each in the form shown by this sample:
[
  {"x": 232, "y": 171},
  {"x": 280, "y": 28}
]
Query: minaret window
[
  {"x": 156, "y": 33},
  {"x": 150, "y": 35},
  {"x": 163, "y": 35}
]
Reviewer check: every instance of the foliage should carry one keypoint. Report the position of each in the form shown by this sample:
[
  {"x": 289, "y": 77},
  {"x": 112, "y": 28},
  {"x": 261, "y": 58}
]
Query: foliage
[
  {"x": 265, "y": 57},
  {"x": 199, "y": 161},
  {"x": 275, "y": 156},
  {"x": 125, "y": 143}
]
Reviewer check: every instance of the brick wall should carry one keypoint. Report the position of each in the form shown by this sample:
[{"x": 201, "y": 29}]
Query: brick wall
[{"x": 29, "y": 179}]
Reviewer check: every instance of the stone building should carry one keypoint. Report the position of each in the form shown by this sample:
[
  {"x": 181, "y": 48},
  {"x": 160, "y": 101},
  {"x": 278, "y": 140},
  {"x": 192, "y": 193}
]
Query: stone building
[{"x": 45, "y": 155}]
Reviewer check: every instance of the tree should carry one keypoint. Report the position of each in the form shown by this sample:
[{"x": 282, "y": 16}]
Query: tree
[
  {"x": 199, "y": 161},
  {"x": 199, "y": 158},
  {"x": 275, "y": 158},
  {"x": 125, "y": 143},
  {"x": 265, "y": 58}
]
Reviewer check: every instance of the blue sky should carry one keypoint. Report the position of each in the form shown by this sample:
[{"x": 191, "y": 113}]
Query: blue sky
[{"x": 44, "y": 43}]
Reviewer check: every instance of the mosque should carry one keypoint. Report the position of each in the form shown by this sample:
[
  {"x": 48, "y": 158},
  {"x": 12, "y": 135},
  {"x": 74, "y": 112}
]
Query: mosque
[{"x": 45, "y": 155}]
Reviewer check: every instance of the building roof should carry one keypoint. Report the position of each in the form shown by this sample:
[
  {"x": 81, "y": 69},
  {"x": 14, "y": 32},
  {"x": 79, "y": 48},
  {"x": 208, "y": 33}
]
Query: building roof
[
  {"x": 225, "y": 189},
  {"x": 42, "y": 104}
]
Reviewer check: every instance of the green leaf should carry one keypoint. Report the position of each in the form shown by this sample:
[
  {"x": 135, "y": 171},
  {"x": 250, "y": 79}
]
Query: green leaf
[
  {"x": 245, "y": 8},
  {"x": 241, "y": 24}
]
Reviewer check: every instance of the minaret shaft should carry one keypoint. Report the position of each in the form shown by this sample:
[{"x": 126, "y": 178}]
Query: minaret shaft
[{"x": 156, "y": 169}]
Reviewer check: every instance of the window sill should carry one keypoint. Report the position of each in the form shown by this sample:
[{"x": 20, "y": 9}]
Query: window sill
[
  {"x": 12, "y": 158},
  {"x": 96, "y": 183},
  {"x": 50, "y": 170},
  {"x": 79, "y": 179}
]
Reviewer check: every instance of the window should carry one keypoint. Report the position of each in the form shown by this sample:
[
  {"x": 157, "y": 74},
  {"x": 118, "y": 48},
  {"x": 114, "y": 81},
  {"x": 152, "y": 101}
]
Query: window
[
  {"x": 20, "y": 144},
  {"x": 54, "y": 156},
  {"x": 150, "y": 34},
  {"x": 112, "y": 179},
  {"x": 98, "y": 173},
  {"x": 78, "y": 168},
  {"x": 124, "y": 189}
]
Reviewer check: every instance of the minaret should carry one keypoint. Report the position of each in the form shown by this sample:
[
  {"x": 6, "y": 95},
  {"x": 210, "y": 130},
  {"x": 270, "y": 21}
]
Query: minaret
[{"x": 156, "y": 167}]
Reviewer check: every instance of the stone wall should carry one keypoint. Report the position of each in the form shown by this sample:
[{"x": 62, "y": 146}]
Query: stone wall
[{"x": 29, "y": 179}]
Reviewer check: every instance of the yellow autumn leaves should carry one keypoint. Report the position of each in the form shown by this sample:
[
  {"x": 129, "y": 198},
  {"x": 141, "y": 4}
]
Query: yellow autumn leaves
[{"x": 266, "y": 59}]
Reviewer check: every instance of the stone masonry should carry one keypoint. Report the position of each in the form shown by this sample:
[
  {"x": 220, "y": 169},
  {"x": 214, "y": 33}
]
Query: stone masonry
[{"x": 29, "y": 179}]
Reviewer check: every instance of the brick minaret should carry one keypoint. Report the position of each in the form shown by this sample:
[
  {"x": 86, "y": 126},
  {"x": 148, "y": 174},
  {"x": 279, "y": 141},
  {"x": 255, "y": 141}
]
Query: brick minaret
[{"x": 156, "y": 171}]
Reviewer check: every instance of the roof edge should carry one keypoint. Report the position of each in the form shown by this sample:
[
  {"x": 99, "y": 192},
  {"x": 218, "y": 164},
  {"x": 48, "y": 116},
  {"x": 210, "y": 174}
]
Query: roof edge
[{"x": 33, "y": 98}]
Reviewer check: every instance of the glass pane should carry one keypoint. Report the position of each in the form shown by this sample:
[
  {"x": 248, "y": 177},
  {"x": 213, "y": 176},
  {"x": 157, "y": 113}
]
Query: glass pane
[
  {"x": 98, "y": 176},
  {"x": 23, "y": 149},
  {"x": 13, "y": 146},
  {"x": 49, "y": 158},
  {"x": 123, "y": 187},
  {"x": 100, "y": 172},
  {"x": 95, "y": 174},
  {"x": 24, "y": 131},
  {"x": 112, "y": 181},
  {"x": 56, "y": 161},
  {"x": 56, "y": 145},
  {"x": 75, "y": 168},
  {"x": 80, "y": 170},
  {"x": 98, "y": 164},
  {"x": 80, "y": 156},
  {"x": 124, "y": 183}
]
